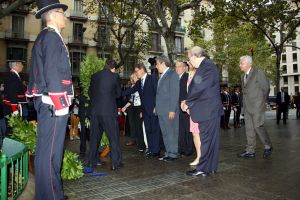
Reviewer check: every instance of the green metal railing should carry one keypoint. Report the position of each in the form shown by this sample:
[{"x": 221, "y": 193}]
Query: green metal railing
[{"x": 14, "y": 169}]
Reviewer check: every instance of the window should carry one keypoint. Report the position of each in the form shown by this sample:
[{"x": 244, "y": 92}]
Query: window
[
  {"x": 15, "y": 53},
  {"x": 296, "y": 79},
  {"x": 294, "y": 57},
  {"x": 179, "y": 22},
  {"x": 77, "y": 32},
  {"x": 104, "y": 36},
  {"x": 179, "y": 45},
  {"x": 294, "y": 44},
  {"x": 285, "y": 80},
  {"x": 78, "y": 6},
  {"x": 76, "y": 58},
  {"x": 296, "y": 89},
  {"x": 295, "y": 68},
  {"x": 155, "y": 42},
  {"x": 283, "y": 68},
  {"x": 18, "y": 26},
  {"x": 283, "y": 58}
]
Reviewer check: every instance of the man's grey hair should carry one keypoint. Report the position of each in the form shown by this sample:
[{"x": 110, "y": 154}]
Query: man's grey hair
[
  {"x": 12, "y": 64},
  {"x": 247, "y": 58},
  {"x": 46, "y": 16},
  {"x": 198, "y": 52},
  {"x": 163, "y": 59}
]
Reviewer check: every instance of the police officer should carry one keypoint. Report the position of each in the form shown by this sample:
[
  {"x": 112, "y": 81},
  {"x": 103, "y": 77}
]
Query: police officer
[{"x": 51, "y": 86}]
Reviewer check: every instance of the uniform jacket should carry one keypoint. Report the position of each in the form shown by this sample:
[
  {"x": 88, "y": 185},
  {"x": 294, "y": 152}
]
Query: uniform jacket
[
  {"x": 14, "y": 93},
  {"x": 104, "y": 90},
  {"x": 147, "y": 94},
  {"x": 255, "y": 91},
  {"x": 50, "y": 70},
  {"x": 203, "y": 98},
  {"x": 167, "y": 94}
]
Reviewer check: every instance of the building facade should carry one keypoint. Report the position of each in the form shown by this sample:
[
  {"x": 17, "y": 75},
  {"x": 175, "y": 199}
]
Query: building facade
[{"x": 84, "y": 34}]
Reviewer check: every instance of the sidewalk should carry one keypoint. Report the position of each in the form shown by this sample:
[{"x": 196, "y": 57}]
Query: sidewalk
[{"x": 276, "y": 178}]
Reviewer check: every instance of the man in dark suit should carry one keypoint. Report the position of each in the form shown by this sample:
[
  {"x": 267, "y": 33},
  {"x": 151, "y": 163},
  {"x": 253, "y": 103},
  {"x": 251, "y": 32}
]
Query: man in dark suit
[
  {"x": 50, "y": 82},
  {"x": 104, "y": 90},
  {"x": 204, "y": 104},
  {"x": 146, "y": 86},
  {"x": 237, "y": 106},
  {"x": 282, "y": 101},
  {"x": 185, "y": 138},
  {"x": 255, "y": 92}
]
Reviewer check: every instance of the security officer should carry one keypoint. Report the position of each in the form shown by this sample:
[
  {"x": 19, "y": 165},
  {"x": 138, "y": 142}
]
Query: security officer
[
  {"x": 51, "y": 86},
  {"x": 14, "y": 92}
]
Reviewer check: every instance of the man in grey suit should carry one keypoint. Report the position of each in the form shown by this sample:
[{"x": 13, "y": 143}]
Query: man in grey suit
[
  {"x": 167, "y": 107},
  {"x": 255, "y": 92}
]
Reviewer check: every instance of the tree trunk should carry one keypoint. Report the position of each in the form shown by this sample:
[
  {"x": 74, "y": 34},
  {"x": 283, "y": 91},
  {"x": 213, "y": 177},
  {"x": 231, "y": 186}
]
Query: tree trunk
[
  {"x": 170, "y": 44},
  {"x": 278, "y": 58}
]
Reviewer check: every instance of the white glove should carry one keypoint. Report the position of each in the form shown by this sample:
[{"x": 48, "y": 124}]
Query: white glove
[{"x": 15, "y": 113}]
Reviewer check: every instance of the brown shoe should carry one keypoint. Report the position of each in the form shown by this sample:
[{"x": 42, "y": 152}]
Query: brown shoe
[{"x": 130, "y": 143}]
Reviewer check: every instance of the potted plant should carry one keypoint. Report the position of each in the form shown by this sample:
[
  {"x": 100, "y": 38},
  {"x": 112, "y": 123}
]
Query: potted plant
[{"x": 25, "y": 132}]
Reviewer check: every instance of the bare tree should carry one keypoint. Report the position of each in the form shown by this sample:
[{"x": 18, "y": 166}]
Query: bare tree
[{"x": 8, "y": 6}]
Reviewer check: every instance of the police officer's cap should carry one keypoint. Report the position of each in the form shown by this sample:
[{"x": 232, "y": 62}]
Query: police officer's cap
[
  {"x": 18, "y": 61},
  {"x": 46, "y": 5}
]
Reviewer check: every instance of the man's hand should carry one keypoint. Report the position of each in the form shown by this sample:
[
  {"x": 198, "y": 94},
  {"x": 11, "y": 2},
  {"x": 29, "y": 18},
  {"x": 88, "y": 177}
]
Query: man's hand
[
  {"x": 183, "y": 106},
  {"x": 123, "y": 109},
  {"x": 171, "y": 115},
  {"x": 141, "y": 115}
]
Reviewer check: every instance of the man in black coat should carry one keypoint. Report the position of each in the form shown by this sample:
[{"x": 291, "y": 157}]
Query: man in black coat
[
  {"x": 146, "y": 86},
  {"x": 104, "y": 90},
  {"x": 282, "y": 101},
  {"x": 185, "y": 138},
  {"x": 83, "y": 115},
  {"x": 50, "y": 83}
]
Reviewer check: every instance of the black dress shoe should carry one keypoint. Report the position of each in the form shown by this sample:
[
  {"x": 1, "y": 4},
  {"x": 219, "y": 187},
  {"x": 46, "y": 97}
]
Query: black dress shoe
[
  {"x": 65, "y": 197},
  {"x": 117, "y": 167},
  {"x": 267, "y": 152},
  {"x": 195, "y": 173},
  {"x": 246, "y": 154},
  {"x": 152, "y": 155},
  {"x": 167, "y": 159}
]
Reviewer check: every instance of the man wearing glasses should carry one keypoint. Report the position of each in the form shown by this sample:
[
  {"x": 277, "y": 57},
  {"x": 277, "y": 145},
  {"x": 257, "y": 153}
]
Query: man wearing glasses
[{"x": 51, "y": 86}]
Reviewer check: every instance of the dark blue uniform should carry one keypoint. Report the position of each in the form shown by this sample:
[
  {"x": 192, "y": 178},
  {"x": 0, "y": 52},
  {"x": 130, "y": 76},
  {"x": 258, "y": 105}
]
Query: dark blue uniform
[{"x": 50, "y": 77}]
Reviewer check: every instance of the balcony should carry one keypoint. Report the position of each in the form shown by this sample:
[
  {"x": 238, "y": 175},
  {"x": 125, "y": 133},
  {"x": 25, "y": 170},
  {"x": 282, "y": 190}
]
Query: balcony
[
  {"x": 78, "y": 41},
  {"x": 78, "y": 15},
  {"x": 17, "y": 36},
  {"x": 180, "y": 29}
]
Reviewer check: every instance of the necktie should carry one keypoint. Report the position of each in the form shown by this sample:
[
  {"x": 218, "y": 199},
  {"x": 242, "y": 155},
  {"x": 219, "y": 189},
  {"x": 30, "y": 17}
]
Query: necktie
[
  {"x": 245, "y": 78},
  {"x": 282, "y": 97},
  {"x": 142, "y": 84}
]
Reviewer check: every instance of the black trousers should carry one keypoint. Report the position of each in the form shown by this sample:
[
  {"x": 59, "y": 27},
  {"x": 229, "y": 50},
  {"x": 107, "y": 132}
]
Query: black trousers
[
  {"x": 152, "y": 132},
  {"x": 237, "y": 116},
  {"x": 136, "y": 126},
  {"x": 283, "y": 108},
  {"x": 51, "y": 132},
  {"x": 83, "y": 135},
  {"x": 185, "y": 138},
  {"x": 227, "y": 116},
  {"x": 210, "y": 140},
  {"x": 109, "y": 125}
]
